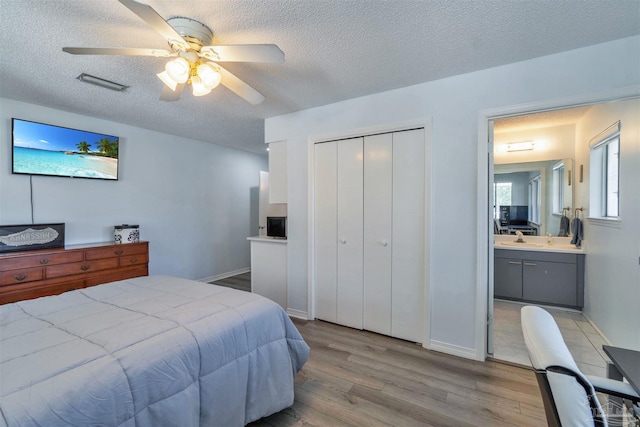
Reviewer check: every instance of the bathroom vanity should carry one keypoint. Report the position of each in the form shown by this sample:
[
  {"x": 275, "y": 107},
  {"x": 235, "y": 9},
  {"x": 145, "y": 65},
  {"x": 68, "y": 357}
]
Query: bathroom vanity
[{"x": 538, "y": 272}]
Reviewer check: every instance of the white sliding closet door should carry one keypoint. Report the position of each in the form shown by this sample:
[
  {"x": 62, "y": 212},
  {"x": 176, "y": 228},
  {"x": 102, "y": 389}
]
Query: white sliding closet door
[
  {"x": 408, "y": 235},
  {"x": 325, "y": 230},
  {"x": 378, "y": 242},
  {"x": 350, "y": 181}
]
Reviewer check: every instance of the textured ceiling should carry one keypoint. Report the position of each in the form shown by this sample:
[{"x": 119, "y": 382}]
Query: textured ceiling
[
  {"x": 545, "y": 119},
  {"x": 334, "y": 50}
]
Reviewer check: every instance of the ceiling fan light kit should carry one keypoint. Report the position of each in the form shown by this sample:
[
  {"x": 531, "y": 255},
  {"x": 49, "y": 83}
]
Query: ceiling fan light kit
[
  {"x": 193, "y": 55},
  {"x": 178, "y": 70}
]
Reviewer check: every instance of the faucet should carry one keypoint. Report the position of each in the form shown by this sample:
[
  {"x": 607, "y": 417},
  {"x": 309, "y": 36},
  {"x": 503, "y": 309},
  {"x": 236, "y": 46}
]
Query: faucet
[{"x": 519, "y": 234}]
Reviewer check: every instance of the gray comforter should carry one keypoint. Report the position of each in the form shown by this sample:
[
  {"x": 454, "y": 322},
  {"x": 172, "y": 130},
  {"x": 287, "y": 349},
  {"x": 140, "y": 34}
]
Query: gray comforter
[{"x": 152, "y": 351}]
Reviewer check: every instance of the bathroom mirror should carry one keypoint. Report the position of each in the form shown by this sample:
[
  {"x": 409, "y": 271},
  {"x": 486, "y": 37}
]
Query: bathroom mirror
[{"x": 545, "y": 186}]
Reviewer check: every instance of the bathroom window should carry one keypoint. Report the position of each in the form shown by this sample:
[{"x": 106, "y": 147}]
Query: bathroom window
[
  {"x": 558, "y": 188},
  {"x": 501, "y": 197},
  {"x": 604, "y": 171}
]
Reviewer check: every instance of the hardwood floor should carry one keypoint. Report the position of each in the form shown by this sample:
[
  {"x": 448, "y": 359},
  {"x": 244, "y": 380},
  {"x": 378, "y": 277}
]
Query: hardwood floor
[
  {"x": 358, "y": 378},
  {"x": 240, "y": 281}
]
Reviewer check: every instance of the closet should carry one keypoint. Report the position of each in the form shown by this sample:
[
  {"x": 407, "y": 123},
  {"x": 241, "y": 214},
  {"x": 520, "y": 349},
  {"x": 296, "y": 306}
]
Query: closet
[{"x": 369, "y": 232}]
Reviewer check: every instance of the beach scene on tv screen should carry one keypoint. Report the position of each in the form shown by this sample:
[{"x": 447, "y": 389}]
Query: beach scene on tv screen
[{"x": 41, "y": 149}]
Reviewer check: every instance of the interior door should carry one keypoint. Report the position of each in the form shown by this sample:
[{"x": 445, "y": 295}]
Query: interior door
[
  {"x": 325, "y": 230},
  {"x": 378, "y": 199},
  {"x": 350, "y": 199}
]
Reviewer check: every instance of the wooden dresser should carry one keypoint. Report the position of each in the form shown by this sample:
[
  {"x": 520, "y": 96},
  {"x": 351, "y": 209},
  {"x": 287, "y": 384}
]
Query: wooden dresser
[{"x": 37, "y": 273}]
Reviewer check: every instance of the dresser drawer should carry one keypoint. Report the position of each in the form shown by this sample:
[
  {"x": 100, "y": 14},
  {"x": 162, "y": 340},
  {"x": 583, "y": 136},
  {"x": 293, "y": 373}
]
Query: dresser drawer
[
  {"x": 40, "y": 260},
  {"x": 128, "y": 273},
  {"x": 36, "y": 290},
  {"x": 80, "y": 267},
  {"x": 22, "y": 275},
  {"x": 115, "y": 250},
  {"x": 126, "y": 261}
]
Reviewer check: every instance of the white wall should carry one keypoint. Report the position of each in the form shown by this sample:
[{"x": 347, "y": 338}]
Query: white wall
[
  {"x": 193, "y": 200},
  {"x": 612, "y": 288},
  {"x": 454, "y": 104}
]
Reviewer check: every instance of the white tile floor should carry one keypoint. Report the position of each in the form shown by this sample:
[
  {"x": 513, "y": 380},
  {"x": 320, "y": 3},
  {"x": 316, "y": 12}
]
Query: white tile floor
[{"x": 583, "y": 341}]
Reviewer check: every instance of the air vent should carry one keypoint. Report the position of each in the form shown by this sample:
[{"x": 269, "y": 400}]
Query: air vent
[{"x": 107, "y": 84}]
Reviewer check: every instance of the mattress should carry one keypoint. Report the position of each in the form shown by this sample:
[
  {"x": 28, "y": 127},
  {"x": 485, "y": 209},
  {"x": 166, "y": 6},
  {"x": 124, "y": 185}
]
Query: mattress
[{"x": 150, "y": 351}]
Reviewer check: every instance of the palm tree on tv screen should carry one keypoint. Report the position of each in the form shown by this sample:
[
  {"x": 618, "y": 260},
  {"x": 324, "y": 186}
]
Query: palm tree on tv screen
[
  {"x": 83, "y": 147},
  {"x": 108, "y": 148}
]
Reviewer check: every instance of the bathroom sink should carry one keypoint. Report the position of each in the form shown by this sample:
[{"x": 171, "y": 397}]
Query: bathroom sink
[{"x": 523, "y": 245}]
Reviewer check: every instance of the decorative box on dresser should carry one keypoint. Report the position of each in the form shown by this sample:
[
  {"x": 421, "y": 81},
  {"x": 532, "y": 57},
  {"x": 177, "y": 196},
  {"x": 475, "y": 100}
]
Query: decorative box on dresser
[{"x": 37, "y": 273}]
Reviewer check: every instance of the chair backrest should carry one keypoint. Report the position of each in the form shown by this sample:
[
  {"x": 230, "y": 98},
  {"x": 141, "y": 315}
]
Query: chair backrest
[{"x": 569, "y": 398}]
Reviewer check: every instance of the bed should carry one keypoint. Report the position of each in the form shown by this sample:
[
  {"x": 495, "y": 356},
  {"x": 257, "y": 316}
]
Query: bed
[{"x": 150, "y": 351}]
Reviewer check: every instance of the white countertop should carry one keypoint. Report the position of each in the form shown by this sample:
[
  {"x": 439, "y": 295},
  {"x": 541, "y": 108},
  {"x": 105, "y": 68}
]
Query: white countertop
[
  {"x": 266, "y": 239},
  {"x": 538, "y": 243}
]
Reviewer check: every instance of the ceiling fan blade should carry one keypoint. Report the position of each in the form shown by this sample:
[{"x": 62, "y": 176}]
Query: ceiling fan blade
[
  {"x": 117, "y": 51},
  {"x": 240, "y": 88},
  {"x": 157, "y": 22},
  {"x": 243, "y": 53},
  {"x": 172, "y": 95}
]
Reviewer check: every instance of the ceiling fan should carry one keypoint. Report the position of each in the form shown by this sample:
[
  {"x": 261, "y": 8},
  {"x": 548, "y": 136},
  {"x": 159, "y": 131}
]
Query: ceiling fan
[{"x": 195, "y": 60}]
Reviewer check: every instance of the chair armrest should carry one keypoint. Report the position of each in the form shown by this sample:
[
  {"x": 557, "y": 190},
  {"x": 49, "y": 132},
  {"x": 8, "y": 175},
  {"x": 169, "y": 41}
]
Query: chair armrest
[{"x": 614, "y": 388}]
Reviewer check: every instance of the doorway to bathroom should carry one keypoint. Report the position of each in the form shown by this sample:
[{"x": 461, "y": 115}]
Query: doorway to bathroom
[{"x": 528, "y": 175}]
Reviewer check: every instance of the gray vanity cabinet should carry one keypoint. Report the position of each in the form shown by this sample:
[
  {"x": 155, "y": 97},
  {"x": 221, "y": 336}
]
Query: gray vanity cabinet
[
  {"x": 507, "y": 278},
  {"x": 543, "y": 277}
]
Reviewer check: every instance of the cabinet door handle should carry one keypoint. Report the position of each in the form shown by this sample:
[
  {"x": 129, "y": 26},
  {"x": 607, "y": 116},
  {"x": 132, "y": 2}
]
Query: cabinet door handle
[
  {"x": 383, "y": 242},
  {"x": 21, "y": 277},
  {"x": 118, "y": 252},
  {"x": 531, "y": 264},
  {"x": 44, "y": 261},
  {"x": 343, "y": 241},
  {"x": 515, "y": 262},
  {"x": 85, "y": 267}
]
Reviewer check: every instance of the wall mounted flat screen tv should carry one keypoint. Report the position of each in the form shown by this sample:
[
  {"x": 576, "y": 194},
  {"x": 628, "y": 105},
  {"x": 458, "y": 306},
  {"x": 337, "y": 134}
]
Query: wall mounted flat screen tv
[{"x": 42, "y": 149}]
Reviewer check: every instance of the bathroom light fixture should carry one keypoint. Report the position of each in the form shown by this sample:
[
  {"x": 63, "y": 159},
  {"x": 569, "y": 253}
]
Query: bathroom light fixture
[
  {"x": 107, "y": 84},
  {"x": 520, "y": 146}
]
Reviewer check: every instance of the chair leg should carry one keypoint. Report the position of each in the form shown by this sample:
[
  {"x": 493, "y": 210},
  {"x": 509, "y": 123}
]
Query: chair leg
[{"x": 553, "y": 420}]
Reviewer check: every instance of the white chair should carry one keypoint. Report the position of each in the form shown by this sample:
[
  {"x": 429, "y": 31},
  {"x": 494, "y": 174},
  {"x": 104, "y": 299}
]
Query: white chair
[{"x": 569, "y": 397}]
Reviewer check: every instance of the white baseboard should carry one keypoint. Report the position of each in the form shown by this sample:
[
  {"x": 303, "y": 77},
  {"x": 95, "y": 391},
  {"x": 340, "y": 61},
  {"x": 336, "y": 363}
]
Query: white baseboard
[
  {"x": 298, "y": 314},
  {"x": 606, "y": 340},
  {"x": 452, "y": 349},
  {"x": 225, "y": 275}
]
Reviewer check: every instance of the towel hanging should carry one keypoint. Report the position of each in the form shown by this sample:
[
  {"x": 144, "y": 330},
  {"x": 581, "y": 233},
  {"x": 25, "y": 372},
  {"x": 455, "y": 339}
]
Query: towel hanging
[{"x": 576, "y": 229}]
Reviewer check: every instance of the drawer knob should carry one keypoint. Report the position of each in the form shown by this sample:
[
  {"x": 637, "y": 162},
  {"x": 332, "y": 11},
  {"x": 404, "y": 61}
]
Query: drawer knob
[
  {"x": 20, "y": 277},
  {"x": 118, "y": 252},
  {"x": 44, "y": 261},
  {"x": 85, "y": 267},
  {"x": 133, "y": 260}
]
